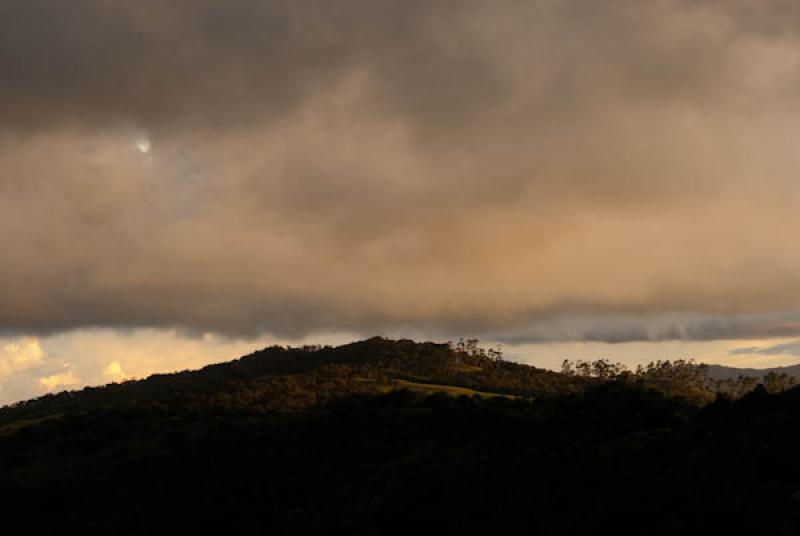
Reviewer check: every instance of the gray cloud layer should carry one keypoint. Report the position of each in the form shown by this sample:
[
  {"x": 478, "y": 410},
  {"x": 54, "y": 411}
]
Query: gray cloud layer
[
  {"x": 787, "y": 348},
  {"x": 492, "y": 166}
]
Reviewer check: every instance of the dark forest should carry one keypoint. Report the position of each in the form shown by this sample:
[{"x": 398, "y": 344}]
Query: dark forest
[{"x": 398, "y": 437}]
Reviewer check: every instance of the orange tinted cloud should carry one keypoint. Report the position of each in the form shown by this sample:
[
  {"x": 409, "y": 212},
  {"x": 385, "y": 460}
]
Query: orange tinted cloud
[{"x": 538, "y": 170}]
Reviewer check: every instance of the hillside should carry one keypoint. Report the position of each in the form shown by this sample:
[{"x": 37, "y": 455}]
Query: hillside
[
  {"x": 397, "y": 437},
  {"x": 292, "y": 379}
]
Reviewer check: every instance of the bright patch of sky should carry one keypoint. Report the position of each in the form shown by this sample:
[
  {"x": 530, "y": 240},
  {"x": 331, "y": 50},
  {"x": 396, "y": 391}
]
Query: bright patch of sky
[{"x": 31, "y": 367}]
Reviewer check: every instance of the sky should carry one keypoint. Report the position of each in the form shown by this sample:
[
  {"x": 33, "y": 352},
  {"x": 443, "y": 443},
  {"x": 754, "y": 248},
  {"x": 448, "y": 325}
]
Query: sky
[{"x": 183, "y": 182}]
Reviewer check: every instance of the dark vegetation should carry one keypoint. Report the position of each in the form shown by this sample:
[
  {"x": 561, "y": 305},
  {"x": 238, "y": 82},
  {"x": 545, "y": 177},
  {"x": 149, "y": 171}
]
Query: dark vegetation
[
  {"x": 697, "y": 382},
  {"x": 351, "y": 441}
]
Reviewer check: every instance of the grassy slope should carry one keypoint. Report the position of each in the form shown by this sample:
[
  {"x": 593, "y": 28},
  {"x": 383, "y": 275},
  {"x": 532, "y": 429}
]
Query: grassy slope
[{"x": 437, "y": 388}]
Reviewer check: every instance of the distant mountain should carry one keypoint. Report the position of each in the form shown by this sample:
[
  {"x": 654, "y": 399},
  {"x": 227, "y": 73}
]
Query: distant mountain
[{"x": 722, "y": 372}]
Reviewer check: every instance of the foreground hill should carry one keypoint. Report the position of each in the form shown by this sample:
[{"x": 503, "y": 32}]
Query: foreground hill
[{"x": 529, "y": 452}]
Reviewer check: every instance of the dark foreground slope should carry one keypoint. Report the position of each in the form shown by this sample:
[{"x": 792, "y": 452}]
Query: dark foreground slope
[{"x": 601, "y": 455}]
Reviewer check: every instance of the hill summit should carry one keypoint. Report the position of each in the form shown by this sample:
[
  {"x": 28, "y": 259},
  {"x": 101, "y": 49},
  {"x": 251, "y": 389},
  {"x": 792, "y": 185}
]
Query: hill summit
[{"x": 290, "y": 379}]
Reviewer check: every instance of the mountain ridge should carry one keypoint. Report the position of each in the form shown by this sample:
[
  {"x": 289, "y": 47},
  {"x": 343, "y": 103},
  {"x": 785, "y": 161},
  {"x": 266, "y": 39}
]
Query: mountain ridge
[
  {"x": 290, "y": 379},
  {"x": 280, "y": 378}
]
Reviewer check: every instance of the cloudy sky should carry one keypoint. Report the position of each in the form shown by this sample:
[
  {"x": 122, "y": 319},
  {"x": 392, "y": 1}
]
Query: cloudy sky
[{"x": 182, "y": 181}]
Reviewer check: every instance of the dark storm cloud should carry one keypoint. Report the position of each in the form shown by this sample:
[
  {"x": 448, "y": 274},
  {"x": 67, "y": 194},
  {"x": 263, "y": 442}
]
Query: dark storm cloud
[
  {"x": 168, "y": 63},
  {"x": 178, "y": 62},
  {"x": 540, "y": 170}
]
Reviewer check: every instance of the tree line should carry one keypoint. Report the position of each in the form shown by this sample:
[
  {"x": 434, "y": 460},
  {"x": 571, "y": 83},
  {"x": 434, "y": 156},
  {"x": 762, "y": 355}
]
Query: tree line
[{"x": 678, "y": 377}]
